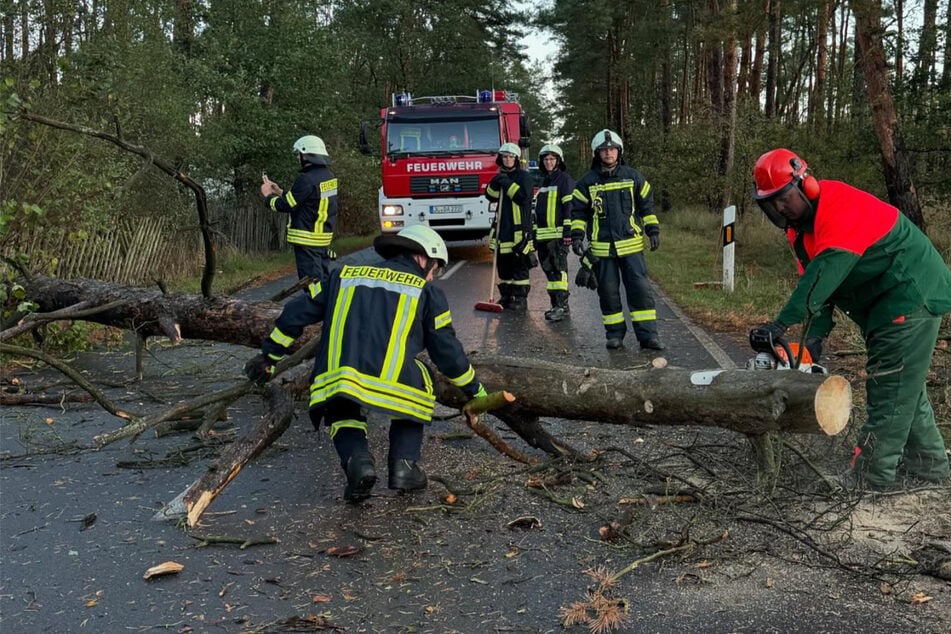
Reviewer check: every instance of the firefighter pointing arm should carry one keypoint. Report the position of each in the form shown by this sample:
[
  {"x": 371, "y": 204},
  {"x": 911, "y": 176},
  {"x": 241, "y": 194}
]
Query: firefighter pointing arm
[{"x": 861, "y": 255}]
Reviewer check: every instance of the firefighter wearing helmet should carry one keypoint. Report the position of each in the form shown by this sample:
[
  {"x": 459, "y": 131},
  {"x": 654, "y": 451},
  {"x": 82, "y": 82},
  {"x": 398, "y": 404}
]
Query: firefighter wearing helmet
[
  {"x": 863, "y": 256},
  {"x": 511, "y": 237},
  {"x": 311, "y": 205},
  {"x": 376, "y": 320},
  {"x": 553, "y": 204},
  {"x": 612, "y": 220}
]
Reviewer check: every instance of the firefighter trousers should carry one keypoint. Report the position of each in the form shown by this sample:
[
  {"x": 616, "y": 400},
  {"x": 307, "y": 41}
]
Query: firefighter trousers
[
  {"x": 312, "y": 262},
  {"x": 632, "y": 271},
  {"x": 347, "y": 421},
  {"x": 553, "y": 257},
  {"x": 900, "y": 432}
]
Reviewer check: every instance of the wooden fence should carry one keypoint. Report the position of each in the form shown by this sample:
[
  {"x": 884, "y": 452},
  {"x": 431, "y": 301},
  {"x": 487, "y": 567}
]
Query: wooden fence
[{"x": 141, "y": 250}]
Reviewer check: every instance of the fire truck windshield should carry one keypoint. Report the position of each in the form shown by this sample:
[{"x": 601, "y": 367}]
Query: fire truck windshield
[{"x": 429, "y": 138}]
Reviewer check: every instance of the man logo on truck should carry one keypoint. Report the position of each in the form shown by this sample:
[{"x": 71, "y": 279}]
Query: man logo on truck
[{"x": 444, "y": 184}]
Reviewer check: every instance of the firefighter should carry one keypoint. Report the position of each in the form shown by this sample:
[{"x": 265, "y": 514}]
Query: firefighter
[
  {"x": 614, "y": 209},
  {"x": 511, "y": 188},
  {"x": 312, "y": 206},
  {"x": 863, "y": 256},
  {"x": 553, "y": 227},
  {"x": 376, "y": 320}
]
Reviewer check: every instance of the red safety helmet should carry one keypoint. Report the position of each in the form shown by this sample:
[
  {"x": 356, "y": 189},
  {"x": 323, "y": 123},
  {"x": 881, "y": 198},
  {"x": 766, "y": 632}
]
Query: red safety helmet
[{"x": 775, "y": 173}]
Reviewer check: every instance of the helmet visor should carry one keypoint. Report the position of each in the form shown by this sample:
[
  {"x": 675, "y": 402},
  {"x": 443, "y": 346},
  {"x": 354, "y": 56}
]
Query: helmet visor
[{"x": 768, "y": 204}]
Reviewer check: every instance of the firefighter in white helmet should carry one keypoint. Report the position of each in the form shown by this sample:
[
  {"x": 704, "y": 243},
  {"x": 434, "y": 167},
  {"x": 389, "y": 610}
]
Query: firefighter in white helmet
[
  {"x": 376, "y": 320},
  {"x": 311, "y": 205},
  {"x": 614, "y": 213},
  {"x": 553, "y": 227},
  {"x": 512, "y": 234}
]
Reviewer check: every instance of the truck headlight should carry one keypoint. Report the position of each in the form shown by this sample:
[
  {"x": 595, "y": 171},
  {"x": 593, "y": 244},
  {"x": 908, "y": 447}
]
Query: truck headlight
[{"x": 392, "y": 210}]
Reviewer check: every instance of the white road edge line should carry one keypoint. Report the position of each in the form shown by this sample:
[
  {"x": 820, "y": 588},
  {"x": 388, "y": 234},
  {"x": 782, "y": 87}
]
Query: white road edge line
[
  {"x": 455, "y": 267},
  {"x": 719, "y": 354}
]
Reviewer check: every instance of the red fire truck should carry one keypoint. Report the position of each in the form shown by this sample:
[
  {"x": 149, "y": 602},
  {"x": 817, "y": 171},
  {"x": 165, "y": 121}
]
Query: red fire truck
[{"x": 438, "y": 155}]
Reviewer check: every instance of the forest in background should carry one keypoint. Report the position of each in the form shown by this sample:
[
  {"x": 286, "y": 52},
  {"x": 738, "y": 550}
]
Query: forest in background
[{"x": 220, "y": 89}]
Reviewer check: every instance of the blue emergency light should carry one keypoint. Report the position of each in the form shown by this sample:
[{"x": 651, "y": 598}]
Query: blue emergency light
[
  {"x": 485, "y": 96},
  {"x": 403, "y": 99}
]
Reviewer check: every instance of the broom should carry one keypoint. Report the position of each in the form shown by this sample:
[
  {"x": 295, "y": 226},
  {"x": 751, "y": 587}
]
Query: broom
[{"x": 492, "y": 306}]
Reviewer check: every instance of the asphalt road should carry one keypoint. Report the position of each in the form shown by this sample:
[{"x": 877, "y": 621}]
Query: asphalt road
[{"x": 77, "y": 533}]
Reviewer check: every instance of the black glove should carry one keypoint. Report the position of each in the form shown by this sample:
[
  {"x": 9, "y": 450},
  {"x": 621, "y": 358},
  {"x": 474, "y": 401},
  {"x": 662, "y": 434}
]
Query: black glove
[
  {"x": 814, "y": 346},
  {"x": 577, "y": 243},
  {"x": 763, "y": 337},
  {"x": 586, "y": 278},
  {"x": 654, "y": 239},
  {"x": 531, "y": 260},
  {"x": 525, "y": 246},
  {"x": 500, "y": 182},
  {"x": 259, "y": 369}
]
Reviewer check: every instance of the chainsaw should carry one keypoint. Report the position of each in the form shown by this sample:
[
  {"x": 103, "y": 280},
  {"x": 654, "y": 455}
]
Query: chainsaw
[{"x": 779, "y": 354}]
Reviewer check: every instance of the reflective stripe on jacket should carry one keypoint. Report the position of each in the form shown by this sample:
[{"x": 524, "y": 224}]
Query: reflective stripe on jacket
[
  {"x": 553, "y": 206},
  {"x": 614, "y": 209},
  {"x": 514, "y": 195},
  {"x": 376, "y": 320},
  {"x": 312, "y": 205}
]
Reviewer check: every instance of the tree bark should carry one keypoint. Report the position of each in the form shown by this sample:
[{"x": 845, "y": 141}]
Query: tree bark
[{"x": 897, "y": 168}]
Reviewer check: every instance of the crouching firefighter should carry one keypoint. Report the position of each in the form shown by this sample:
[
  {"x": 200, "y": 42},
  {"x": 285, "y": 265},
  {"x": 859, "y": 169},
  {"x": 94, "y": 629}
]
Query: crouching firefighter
[
  {"x": 553, "y": 227},
  {"x": 376, "y": 320},
  {"x": 512, "y": 234}
]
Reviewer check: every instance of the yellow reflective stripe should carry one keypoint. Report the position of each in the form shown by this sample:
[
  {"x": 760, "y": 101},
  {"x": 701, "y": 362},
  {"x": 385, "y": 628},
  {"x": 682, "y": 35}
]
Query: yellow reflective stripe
[
  {"x": 314, "y": 289},
  {"x": 512, "y": 190},
  {"x": 579, "y": 196},
  {"x": 275, "y": 357},
  {"x": 579, "y": 225},
  {"x": 651, "y": 220},
  {"x": 643, "y": 315},
  {"x": 373, "y": 392},
  {"x": 567, "y": 198},
  {"x": 337, "y": 324},
  {"x": 520, "y": 282},
  {"x": 308, "y": 238},
  {"x": 289, "y": 197},
  {"x": 645, "y": 189},
  {"x": 614, "y": 186},
  {"x": 551, "y": 212},
  {"x": 396, "y": 347},
  {"x": 613, "y": 318},
  {"x": 321, "y": 214},
  {"x": 492, "y": 191},
  {"x": 465, "y": 378},
  {"x": 427, "y": 378},
  {"x": 558, "y": 285},
  {"x": 623, "y": 247},
  {"x": 281, "y": 339},
  {"x": 548, "y": 233},
  {"x": 443, "y": 320},
  {"x": 272, "y": 203},
  {"x": 348, "y": 424}
]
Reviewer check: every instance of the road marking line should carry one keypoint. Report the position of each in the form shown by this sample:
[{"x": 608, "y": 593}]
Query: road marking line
[
  {"x": 719, "y": 354},
  {"x": 455, "y": 267}
]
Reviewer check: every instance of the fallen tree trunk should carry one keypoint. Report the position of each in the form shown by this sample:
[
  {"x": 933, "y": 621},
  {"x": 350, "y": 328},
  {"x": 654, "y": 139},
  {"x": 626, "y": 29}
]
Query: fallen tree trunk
[
  {"x": 750, "y": 402},
  {"x": 149, "y": 312}
]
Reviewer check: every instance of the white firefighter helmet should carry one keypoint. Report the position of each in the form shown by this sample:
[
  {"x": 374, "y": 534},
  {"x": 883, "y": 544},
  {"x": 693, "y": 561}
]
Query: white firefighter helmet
[
  {"x": 312, "y": 149},
  {"x": 554, "y": 150},
  {"x": 416, "y": 239},
  {"x": 551, "y": 148},
  {"x": 510, "y": 149},
  {"x": 606, "y": 139}
]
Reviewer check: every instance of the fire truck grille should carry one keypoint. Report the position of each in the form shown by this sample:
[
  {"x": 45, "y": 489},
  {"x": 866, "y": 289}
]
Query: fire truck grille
[{"x": 444, "y": 184}]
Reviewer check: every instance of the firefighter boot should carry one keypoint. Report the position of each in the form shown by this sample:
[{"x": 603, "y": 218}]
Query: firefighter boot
[
  {"x": 559, "y": 306},
  {"x": 406, "y": 475},
  {"x": 361, "y": 476},
  {"x": 505, "y": 296},
  {"x": 519, "y": 302}
]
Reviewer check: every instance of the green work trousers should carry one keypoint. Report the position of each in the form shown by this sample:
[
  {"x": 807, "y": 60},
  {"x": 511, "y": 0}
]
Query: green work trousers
[{"x": 901, "y": 425}]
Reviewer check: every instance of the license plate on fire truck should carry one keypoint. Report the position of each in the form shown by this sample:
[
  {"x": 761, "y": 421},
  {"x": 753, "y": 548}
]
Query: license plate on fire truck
[{"x": 445, "y": 209}]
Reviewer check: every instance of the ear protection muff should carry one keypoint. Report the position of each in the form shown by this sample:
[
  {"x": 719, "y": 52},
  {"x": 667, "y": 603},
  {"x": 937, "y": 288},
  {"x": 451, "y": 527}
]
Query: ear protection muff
[
  {"x": 810, "y": 187},
  {"x": 807, "y": 182}
]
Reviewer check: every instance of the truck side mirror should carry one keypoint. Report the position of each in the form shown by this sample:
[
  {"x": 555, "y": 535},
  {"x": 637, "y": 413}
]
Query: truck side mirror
[
  {"x": 525, "y": 140},
  {"x": 363, "y": 143}
]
